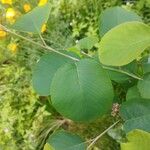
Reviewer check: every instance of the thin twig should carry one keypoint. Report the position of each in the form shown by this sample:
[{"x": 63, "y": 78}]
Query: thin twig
[
  {"x": 42, "y": 39},
  {"x": 114, "y": 69},
  {"x": 54, "y": 127},
  {"x": 68, "y": 56},
  {"x": 122, "y": 71},
  {"x": 82, "y": 52},
  {"x": 99, "y": 136},
  {"x": 39, "y": 33},
  {"x": 35, "y": 43}
]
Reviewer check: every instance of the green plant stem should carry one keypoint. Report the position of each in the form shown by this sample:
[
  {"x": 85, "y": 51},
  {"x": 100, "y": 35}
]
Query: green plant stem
[
  {"x": 73, "y": 58},
  {"x": 55, "y": 127},
  {"x": 114, "y": 69},
  {"x": 42, "y": 39},
  {"x": 99, "y": 136},
  {"x": 35, "y": 43},
  {"x": 122, "y": 71}
]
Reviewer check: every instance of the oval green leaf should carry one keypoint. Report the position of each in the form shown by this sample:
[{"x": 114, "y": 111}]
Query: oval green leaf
[
  {"x": 62, "y": 140},
  {"x": 133, "y": 93},
  {"x": 137, "y": 140},
  {"x": 122, "y": 77},
  {"x": 136, "y": 114},
  {"x": 146, "y": 66},
  {"x": 47, "y": 147},
  {"x": 44, "y": 71},
  {"x": 144, "y": 87},
  {"x": 138, "y": 123},
  {"x": 117, "y": 76},
  {"x": 33, "y": 21},
  {"x": 124, "y": 43},
  {"x": 82, "y": 91},
  {"x": 87, "y": 42},
  {"x": 114, "y": 16}
]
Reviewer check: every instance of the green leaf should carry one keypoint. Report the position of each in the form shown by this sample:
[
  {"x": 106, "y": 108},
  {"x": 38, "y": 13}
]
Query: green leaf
[
  {"x": 133, "y": 93},
  {"x": 74, "y": 49},
  {"x": 87, "y": 42},
  {"x": 135, "y": 108},
  {"x": 47, "y": 147},
  {"x": 114, "y": 16},
  {"x": 144, "y": 87},
  {"x": 138, "y": 123},
  {"x": 33, "y": 21},
  {"x": 122, "y": 77},
  {"x": 82, "y": 91},
  {"x": 137, "y": 140},
  {"x": 117, "y": 76},
  {"x": 44, "y": 71},
  {"x": 146, "y": 66},
  {"x": 63, "y": 140},
  {"x": 136, "y": 114},
  {"x": 124, "y": 43}
]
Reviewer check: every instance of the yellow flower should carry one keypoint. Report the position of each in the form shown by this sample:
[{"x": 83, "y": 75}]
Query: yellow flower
[
  {"x": 2, "y": 33},
  {"x": 43, "y": 29},
  {"x": 6, "y": 2},
  {"x": 10, "y": 15},
  {"x": 26, "y": 7},
  {"x": 12, "y": 47},
  {"x": 42, "y": 2}
]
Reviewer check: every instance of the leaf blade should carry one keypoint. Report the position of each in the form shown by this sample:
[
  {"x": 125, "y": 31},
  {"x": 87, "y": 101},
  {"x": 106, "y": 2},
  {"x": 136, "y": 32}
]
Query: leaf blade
[
  {"x": 44, "y": 71},
  {"x": 136, "y": 113},
  {"x": 144, "y": 87},
  {"x": 124, "y": 43},
  {"x": 33, "y": 21},
  {"x": 137, "y": 140},
  {"x": 87, "y": 93},
  {"x": 114, "y": 16},
  {"x": 62, "y": 140}
]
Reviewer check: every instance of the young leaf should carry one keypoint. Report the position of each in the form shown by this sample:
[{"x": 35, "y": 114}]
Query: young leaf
[
  {"x": 136, "y": 114},
  {"x": 44, "y": 71},
  {"x": 141, "y": 122},
  {"x": 114, "y": 16},
  {"x": 124, "y": 43},
  {"x": 74, "y": 49},
  {"x": 133, "y": 93},
  {"x": 62, "y": 140},
  {"x": 121, "y": 77},
  {"x": 87, "y": 42},
  {"x": 117, "y": 76},
  {"x": 82, "y": 91},
  {"x": 33, "y": 21},
  {"x": 146, "y": 66},
  {"x": 47, "y": 147},
  {"x": 144, "y": 86},
  {"x": 137, "y": 140}
]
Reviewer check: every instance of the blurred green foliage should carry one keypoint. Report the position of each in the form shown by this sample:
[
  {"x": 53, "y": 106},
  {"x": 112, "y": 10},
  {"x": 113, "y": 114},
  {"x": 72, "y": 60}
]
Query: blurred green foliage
[
  {"x": 21, "y": 116},
  {"x": 83, "y": 16}
]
